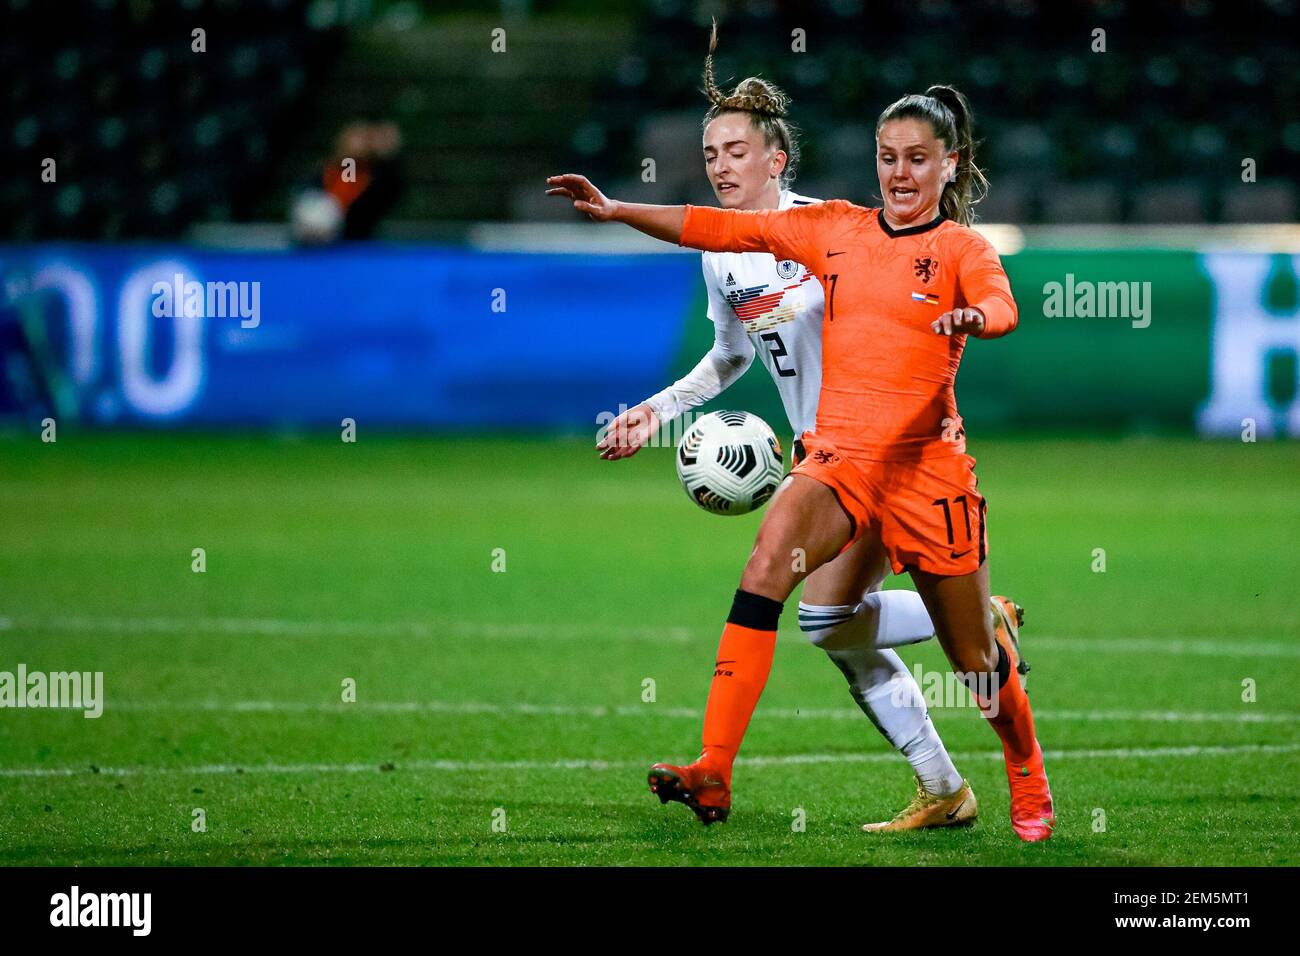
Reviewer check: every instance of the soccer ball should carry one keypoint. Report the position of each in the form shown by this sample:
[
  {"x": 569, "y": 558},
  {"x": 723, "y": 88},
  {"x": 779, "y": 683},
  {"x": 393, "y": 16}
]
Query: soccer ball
[{"x": 730, "y": 462}]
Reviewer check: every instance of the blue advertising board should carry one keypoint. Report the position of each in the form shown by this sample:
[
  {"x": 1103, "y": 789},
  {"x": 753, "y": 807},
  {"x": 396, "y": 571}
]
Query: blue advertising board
[{"x": 389, "y": 335}]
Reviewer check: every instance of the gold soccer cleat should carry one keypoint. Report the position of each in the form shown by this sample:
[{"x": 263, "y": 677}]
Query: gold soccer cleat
[{"x": 929, "y": 810}]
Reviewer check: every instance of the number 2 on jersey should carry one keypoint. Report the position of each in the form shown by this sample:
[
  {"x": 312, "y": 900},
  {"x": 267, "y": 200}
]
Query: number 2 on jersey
[{"x": 778, "y": 352}]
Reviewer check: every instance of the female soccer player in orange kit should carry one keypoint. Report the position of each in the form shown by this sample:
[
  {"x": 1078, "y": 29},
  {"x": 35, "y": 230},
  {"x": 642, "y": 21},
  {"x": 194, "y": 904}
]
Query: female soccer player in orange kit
[{"x": 904, "y": 286}]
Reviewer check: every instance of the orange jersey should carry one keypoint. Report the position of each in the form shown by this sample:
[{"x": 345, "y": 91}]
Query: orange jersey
[{"x": 887, "y": 377}]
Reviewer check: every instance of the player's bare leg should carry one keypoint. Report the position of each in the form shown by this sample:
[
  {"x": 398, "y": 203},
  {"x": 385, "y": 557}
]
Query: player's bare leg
[
  {"x": 804, "y": 527},
  {"x": 843, "y": 612},
  {"x": 984, "y": 655}
]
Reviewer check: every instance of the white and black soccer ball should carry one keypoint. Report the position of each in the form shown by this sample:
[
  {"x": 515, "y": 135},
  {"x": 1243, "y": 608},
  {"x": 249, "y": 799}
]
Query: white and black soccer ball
[{"x": 730, "y": 462}]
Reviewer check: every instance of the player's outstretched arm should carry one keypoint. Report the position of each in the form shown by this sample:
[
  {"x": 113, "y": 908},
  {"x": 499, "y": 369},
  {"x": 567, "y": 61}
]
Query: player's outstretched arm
[
  {"x": 967, "y": 321},
  {"x": 992, "y": 310},
  {"x": 628, "y": 433},
  {"x": 662, "y": 222},
  {"x": 722, "y": 365},
  {"x": 785, "y": 233}
]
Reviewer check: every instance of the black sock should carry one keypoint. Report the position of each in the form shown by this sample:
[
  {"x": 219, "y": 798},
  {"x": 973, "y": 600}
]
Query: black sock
[
  {"x": 754, "y": 611},
  {"x": 1004, "y": 666}
]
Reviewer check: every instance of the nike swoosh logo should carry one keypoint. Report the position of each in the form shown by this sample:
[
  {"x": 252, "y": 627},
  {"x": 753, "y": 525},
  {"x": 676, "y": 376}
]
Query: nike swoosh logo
[
  {"x": 711, "y": 781},
  {"x": 720, "y": 663},
  {"x": 955, "y": 554},
  {"x": 953, "y": 814},
  {"x": 840, "y": 253}
]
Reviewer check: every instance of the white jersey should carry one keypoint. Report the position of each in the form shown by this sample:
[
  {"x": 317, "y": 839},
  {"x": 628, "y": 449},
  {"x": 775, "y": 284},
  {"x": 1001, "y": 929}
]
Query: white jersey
[
  {"x": 779, "y": 305},
  {"x": 758, "y": 305}
]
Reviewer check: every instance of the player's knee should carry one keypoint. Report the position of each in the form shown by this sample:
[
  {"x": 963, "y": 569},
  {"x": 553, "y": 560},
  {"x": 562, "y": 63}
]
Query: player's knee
[
  {"x": 976, "y": 660},
  {"x": 834, "y": 626},
  {"x": 766, "y": 572},
  {"x": 870, "y": 610},
  {"x": 821, "y": 623}
]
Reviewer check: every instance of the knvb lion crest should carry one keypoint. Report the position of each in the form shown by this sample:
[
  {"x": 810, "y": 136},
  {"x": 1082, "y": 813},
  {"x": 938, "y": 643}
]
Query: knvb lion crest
[{"x": 926, "y": 268}]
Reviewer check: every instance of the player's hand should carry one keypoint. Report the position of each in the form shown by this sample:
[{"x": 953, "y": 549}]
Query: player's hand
[
  {"x": 627, "y": 433},
  {"x": 959, "y": 322},
  {"x": 586, "y": 197}
]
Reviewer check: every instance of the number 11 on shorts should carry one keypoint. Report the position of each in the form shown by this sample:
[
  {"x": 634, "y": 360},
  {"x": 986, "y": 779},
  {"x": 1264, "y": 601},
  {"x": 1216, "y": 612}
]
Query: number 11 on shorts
[{"x": 946, "y": 504}]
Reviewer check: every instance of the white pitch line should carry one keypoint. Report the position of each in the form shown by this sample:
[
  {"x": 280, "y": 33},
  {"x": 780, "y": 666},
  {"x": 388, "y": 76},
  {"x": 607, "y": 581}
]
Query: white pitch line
[
  {"x": 1170, "y": 716},
  {"x": 472, "y": 766},
  {"x": 1173, "y": 647},
  {"x": 274, "y": 627},
  {"x": 655, "y": 710},
  {"x": 585, "y": 630}
]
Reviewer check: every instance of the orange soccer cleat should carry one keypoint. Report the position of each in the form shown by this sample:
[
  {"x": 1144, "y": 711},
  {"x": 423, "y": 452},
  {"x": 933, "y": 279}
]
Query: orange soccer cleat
[
  {"x": 1008, "y": 619},
  {"x": 701, "y": 788},
  {"x": 1032, "y": 816}
]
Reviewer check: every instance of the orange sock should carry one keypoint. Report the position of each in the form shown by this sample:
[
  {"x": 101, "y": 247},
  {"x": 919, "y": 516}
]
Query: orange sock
[
  {"x": 739, "y": 675},
  {"x": 1014, "y": 720}
]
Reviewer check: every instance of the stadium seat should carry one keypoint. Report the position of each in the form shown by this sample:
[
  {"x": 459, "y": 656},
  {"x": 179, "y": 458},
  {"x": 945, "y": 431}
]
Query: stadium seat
[
  {"x": 1264, "y": 201},
  {"x": 1086, "y": 202},
  {"x": 1171, "y": 202}
]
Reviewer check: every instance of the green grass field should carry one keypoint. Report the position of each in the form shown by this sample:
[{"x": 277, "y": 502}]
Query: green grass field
[{"x": 516, "y": 697}]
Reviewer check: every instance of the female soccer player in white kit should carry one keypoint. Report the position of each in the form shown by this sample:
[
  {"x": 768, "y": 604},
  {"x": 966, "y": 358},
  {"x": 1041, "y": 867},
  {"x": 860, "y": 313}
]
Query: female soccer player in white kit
[{"x": 759, "y": 305}]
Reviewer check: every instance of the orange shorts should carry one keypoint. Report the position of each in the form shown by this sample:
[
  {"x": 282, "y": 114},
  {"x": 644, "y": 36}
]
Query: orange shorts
[{"x": 928, "y": 513}]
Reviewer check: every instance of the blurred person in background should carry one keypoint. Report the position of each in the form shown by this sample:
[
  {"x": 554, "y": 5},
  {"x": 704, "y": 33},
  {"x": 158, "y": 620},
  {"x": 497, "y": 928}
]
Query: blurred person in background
[{"x": 359, "y": 185}]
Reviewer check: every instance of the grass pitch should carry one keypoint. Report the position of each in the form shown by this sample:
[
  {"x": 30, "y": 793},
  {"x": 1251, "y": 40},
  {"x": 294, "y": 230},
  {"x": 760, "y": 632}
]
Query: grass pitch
[{"x": 499, "y": 715}]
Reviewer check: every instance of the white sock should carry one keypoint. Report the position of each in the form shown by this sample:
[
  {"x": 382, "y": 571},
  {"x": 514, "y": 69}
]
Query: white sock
[
  {"x": 901, "y": 618},
  {"x": 883, "y": 619},
  {"x": 887, "y": 693}
]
